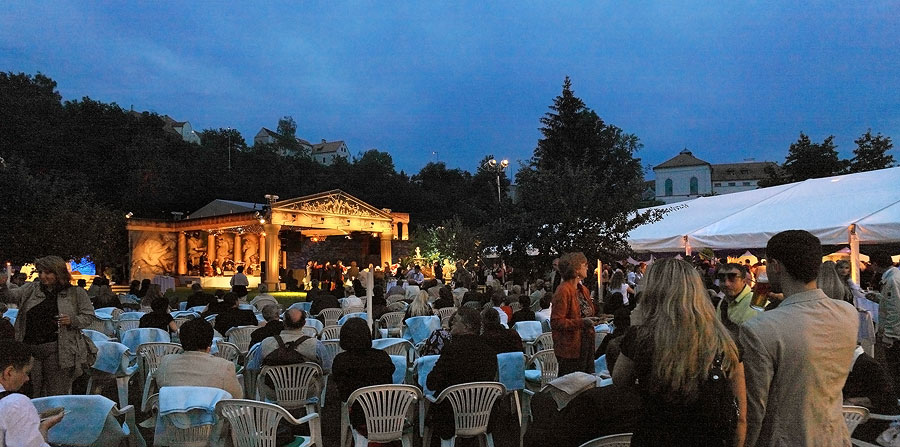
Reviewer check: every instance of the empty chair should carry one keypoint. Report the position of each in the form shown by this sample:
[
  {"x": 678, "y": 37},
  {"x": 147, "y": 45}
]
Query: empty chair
[
  {"x": 92, "y": 421},
  {"x": 240, "y": 336},
  {"x": 295, "y": 386},
  {"x": 329, "y": 316},
  {"x": 391, "y": 323},
  {"x": 400, "y": 369},
  {"x": 546, "y": 369},
  {"x": 354, "y": 310},
  {"x": 228, "y": 351},
  {"x": 472, "y": 403},
  {"x": 136, "y": 337},
  {"x": 529, "y": 331},
  {"x": 542, "y": 342},
  {"x": 395, "y": 346},
  {"x": 445, "y": 312},
  {"x": 417, "y": 329},
  {"x": 386, "y": 409},
  {"x": 126, "y": 325},
  {"x": 186, "y": 415},
  {"x": 331, "y": 333},
  {"x": 96, "y": 336},
  {"x": 511, "y": 373},
  {"x": 620, "y": 440},
  {"x": 114, "y": 360},
  {"x": 255, "y": 423},
  {"x": 348, "y": 314},
  {"x": 854, "y": 415}
]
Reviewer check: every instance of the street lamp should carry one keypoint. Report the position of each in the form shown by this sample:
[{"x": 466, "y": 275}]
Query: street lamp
[{"x": 498, "y": 167}]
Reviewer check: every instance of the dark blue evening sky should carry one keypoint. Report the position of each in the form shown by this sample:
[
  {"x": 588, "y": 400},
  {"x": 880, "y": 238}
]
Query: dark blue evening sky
[{"x": 729, "y": 80}]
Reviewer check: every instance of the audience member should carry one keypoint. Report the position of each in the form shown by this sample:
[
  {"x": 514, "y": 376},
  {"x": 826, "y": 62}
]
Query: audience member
[
  {"x": 545, "y": 311},
  {"x": 263, "y": 298},
  {"x": 419, "y": 307},
  {"x": 525, "y": 314},
  {"x": 359, "y": 365},
  {"x": 445, "y": 298},
  {"x": 159, "y": 317},
  {"x": 537, "y": 294},
  {"x": 196, "y": 367},
  {"x": 573, "y": 317},
  {"x": 734, "y": 309},
  {"x": 832, "y": 284},
  {"x": 20, "y": 424},
  {"x": 498, "y": 337},
  {"x": 869, "y": 385},
  {"x": 232, "y": 315},
  {"x": 798, "y": 355},
  {"x": 323, "y": 301},
  {"x": 106, "y": 298},
  {"x": 273, "y": 326},
  {"x": 294, "y": 320}
]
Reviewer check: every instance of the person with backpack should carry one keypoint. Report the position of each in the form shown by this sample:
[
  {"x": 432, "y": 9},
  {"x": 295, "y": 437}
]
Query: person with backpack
[{"x": 291, "y": 345}]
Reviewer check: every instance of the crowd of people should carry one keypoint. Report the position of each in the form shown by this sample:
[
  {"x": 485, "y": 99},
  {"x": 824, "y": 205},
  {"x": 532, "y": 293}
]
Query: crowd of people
[{"x": 705, "y": 353}]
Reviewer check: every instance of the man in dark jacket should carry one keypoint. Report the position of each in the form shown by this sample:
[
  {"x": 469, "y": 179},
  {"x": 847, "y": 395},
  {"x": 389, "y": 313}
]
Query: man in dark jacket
[
  {"x": 199, "y": 297},
  {"x": 273, "y": 326},
  {"x": 233, "y": 316},
  {"x": 323, "y": 301},
  {"x": 467, "y": 358}
]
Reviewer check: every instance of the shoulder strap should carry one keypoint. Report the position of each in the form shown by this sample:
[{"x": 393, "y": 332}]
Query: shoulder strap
[
  {"x": 279, "y": 340},
  {"x": 298, "y": 341},
  {"x": 5, "y": 393}
]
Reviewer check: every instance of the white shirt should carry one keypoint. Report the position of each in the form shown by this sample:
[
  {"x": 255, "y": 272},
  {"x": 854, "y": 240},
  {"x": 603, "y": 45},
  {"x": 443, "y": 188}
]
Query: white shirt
[
  {"x": 543, "y": 314},
  {"x": 19, "y": 422},
  {"x": 504, "y": 319},
  {"x": 239, "y": 279}
]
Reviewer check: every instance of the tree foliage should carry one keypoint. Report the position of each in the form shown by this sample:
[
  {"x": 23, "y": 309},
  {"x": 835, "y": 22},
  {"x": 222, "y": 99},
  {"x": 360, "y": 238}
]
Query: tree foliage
[{"x": 871, "y": 153}]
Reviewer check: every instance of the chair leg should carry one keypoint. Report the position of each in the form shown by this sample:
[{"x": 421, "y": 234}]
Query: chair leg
[
  {"x": 406, "y": 440},
  {"x": 324, "y": 391},
  {"x": 422, "y": 419},
  {"x": 426, "y": 438},
  {"x": 489, "y": 440},
  {"x": 122, "y": 386}
]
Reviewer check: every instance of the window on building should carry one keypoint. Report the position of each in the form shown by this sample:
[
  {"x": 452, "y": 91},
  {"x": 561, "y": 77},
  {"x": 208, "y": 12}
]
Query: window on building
[
  {"x": 717, "y": 184},
  {"x": 746, "y": 183},
  {"x": 695, "y": 186},
  {"x": 730, "y": 183},
  {"x": 668, "y": 187}
]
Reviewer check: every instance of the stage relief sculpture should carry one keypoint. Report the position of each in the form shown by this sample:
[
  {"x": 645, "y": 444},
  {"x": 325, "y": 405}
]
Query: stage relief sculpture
[{"x": 153, "y": 253}]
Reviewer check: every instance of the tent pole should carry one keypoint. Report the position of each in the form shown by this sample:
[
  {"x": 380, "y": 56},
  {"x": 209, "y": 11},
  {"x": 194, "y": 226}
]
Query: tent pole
[
  {"x": 854, "y": 254},
  {"x": 687, "y": 246}
]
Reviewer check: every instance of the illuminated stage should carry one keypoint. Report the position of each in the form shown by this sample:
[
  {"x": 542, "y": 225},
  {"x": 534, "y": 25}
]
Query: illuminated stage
[{"x": 216, "y": 282}]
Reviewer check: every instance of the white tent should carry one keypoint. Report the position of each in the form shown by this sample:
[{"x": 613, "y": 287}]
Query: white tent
[{"x": 850, "y": 208}]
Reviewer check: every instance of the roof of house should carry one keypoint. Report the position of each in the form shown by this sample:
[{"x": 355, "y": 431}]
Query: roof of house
[
  {"x": 267, "y": 131},
  {"x": 684, "y": 158},
  {"x": 327, "y": 147},
  {"x": 741, "y": 171}
]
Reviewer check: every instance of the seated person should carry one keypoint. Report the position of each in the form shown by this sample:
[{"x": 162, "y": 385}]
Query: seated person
[
  {"x": 196, "y": 367},
  {"x": 294, "y": 320},
  {"x": 397, "y": 289},
  {"x": 273, "y": 325},
  {"x": 159, "y": 317},
  {"x": 20, "y": 424},
  {"x": 869, "y": 385},
  {"x": 467, "y": 358},
  {"x": 544, "y": 314},
  {"x": 498, "y": 300},
  {"x": 445, "y": 298},
  {"x": 359, "y": 365},
  {"x": 616, "y": 410},
  {"x": 198, "y": 297},
  {"x": 352, "y": 299},
  {"x": 498, "y": 337},
  {"x": 233, "y": 316},
  {"x": 323, "y": 301},
  {"x": 263, "y": 297},
  {"x": 526, "y": 314},
  {"x": 439, "y": 338},
  {"x": 106, "y": 298}
]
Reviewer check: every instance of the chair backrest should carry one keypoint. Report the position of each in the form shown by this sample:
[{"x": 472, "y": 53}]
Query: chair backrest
[
  {"x": 95, "y": 336},
  {"x": 419, "y": 328},
  {"x": 398, "y": 306},
  {"x": 130, "y": 315},
  {"x": 126, "y": 325},
  {"x": 331, "y": 349},
  {"x": 228, "y": 351},
  {"x": 472, "y": 403},
  {"x": 400, "y": 365},
  {"x": 294, "y": 384},
  {"x": 546, "y": 362},
  {"x": 181, "y": 320},
  {"x": 445, "y": 312},
  {"x": 391, "y": 320},
  {"x": 528, "y": 330},
  {"x": 619, "y": 440},
  {"x": 152, "y": 353},
  {"x": 309, "y": 331},
  {"x": 543, "y": 341},
  {"x": 187, "y": 414},
  {"x": 255, "y": 423},
  {"x": 350, "y": 312},
  {"x": 854, "y": 415},
  {"x": 259, "y": 303},
  {"x": 511, "y": 370},
  {"x": 315, "y": 324},
  {"x": 302, "y": 305},
  {"x": 330, "y": 315},
  {"x": 240, "y": 336},
  {"x": 385, "y": 408},
  {"x": 113, "y": 358},
  {"x": 136, "y": 337},
  {"x": 331, "y": 333},
  {"x": 423, "y": 367},
  {"x": 395, "y": 298},
  {"x": 92, "y": 420}
]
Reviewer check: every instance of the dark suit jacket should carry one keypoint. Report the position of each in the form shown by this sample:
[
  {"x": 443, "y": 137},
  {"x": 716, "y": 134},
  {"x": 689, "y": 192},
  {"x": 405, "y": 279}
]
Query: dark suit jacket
[
  {"x": 199, "y": 299},
  {"x": 271, "y": 328},
  {"x": 234, "y": 317},
  {"x": 323, "y": 302},
  {"x": 612, "y": 409}
]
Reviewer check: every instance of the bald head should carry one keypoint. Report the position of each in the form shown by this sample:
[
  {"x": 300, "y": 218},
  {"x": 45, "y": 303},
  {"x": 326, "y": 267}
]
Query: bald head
[{"x": 294, "y": 319}]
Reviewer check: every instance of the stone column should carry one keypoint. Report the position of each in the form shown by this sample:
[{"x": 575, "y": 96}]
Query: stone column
[
  {"x": 272, "y": 254},
  {"x": 386, "y": 247},
  {"x": 262, "y": 248},
  {"x": 238, "y": 256},
  {"x": 211, "y": 248},
  {"x": 181, "y": 267}
]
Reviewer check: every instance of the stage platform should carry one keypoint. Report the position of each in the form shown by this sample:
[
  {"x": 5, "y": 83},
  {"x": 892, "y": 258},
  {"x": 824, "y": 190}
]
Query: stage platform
[{"x": 216, "y": 282}]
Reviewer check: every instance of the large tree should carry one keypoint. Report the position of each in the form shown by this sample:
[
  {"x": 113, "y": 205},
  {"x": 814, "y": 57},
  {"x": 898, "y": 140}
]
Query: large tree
[
  {"x": 580, "y": 189},
  {"x": 806, "y": 160},
  {"x": 871, "y": 153}
]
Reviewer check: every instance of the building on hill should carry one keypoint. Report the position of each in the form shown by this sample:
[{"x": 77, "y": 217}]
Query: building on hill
[
  {"x": 686, "y": 177},
  {"x": 181, "y": 128},
  {"x": 265, "y": 136},
  {"x": 326, "y": 151}
]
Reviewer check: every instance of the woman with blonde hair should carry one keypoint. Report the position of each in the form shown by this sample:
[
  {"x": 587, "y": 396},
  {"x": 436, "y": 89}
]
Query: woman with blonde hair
[
  {"x": 617, "y": 284},
  {"x": 684, "y": 364},
  {"x": 831, "y": 283},
  {"x": 52, "y": 313},
  {"x": 419, "y": 307}
]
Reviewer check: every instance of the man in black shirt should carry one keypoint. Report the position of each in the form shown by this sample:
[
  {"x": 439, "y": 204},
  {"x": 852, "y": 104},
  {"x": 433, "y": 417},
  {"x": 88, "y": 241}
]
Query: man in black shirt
[
  {"x": 199, "y": 297},
  {"x": 233, "y": 316}
]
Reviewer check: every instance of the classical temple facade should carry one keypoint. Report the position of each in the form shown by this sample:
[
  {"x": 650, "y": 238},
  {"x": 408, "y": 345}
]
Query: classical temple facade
[{"x": 250, "y": 234}]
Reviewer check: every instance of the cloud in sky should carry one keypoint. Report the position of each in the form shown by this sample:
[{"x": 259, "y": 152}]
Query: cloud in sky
[{"x": 465, "y": 79}]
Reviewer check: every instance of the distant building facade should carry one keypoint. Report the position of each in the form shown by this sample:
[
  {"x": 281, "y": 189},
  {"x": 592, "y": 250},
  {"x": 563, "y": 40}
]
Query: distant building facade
[
  {"x": 181, "y": 128},
  {"x": 323, "y": 152},
  {"x": 686, "y": 177}
]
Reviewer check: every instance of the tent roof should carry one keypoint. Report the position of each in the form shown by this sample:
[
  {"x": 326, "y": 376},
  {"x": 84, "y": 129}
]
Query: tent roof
[
  {"x": 825, "y": 207},
  {"x": 219, "y": 207}
]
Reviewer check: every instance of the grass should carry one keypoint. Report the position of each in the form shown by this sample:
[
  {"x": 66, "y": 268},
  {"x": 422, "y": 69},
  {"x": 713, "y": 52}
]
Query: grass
[{"x": 284, "y": 298}]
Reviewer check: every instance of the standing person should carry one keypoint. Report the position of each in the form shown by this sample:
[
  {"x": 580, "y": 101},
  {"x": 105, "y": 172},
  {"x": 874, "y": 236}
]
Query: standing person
[
  {"x": 573, "y": 317},
  {"x": 735, "y": 308},
  {"x": 555, "y": 278},
  {"x": 52, "y": 313},
  {"x": 20, "y": 425},
  {"x": 889, "y": 312},
  {"x": 675, "y": 356},
  {"x": 797, "y": 356},
  {"x": 239, "y": 282},
  {"x": 617, "y": 284}
]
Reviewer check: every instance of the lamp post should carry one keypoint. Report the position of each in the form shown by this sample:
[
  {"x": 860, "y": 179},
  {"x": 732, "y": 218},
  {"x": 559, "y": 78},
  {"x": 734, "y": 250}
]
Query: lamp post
[
  {"x": 228, "y": 129},
  {"x": 498, "y": 167}
]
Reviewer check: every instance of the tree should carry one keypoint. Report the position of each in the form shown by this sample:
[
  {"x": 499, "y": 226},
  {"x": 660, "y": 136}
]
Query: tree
[
  {"x": 806, "y": 160},
  {"x": 452, "y": 239},
  {"x": 581, "y": 188},
  {"x": 871, "y": 153},
  {"x": 287, "y": 137}
]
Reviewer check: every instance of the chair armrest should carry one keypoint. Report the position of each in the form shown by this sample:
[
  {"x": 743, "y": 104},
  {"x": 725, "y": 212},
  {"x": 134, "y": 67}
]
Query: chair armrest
[
  {"x": 859, "y": 443},
  {"x": 884, "y": 417},
  {"x": 309, "y": 417}
]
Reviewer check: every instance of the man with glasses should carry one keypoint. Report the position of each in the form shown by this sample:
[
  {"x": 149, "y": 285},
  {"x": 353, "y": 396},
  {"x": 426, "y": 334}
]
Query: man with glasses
[{"x": 735, "y": 308}]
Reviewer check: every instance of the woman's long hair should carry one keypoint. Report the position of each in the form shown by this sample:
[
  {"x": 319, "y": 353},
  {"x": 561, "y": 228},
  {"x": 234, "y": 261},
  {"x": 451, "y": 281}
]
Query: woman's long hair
[
  {"x": 618, "y": 278},
  {"x": 55, "y": 265},
  {"x": 419, "y": 307},
  {"x": 831, "y": 283},
  {"x": 686, "y": 334}
]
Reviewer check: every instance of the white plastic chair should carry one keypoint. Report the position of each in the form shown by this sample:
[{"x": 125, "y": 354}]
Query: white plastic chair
[
  {"x": 395, "y": 298},
  {"x": 511, "y": 373},
  {"x": 260, "y": 302},
  {"x": 240, "y": 336},
  {"x": 386, "y": 408},
  {"x": 392, "y": 323},
  {"x": 255, "y": 423},
  {"x": 397, "y": 306},
  {"x": 542, "y": 342},
  {"x": 296, "y": 386},
  {"x": 252, "y": 365},
  {"x": 854, "y": 415},
  {"x": 190, "y": 428},
  {"x": 547, "y": 368},
  {"x": 331, "y": 333},
  {"x": 472, "y": 404},
  {"x": 528, "y": 331},
  {"x": 445, "y": 312},
  {"x": 228, "y": 351},
  {"x": 149, "y": 357},
  {"x": 619, "y": 440},
  {"x": 330, "y": 316},
  {"x": 113, "y": 360},
  {"x": 331, "y": 349},
  {"x": 93, "y": 421},
  {"x": 123, "y": 326},
  {"x": 97, "y": 336},
  {"x": 422, "y": 368}
]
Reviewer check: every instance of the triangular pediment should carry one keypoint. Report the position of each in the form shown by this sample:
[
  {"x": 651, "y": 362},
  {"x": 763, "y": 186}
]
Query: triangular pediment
[{"x": 334, "y": 202}]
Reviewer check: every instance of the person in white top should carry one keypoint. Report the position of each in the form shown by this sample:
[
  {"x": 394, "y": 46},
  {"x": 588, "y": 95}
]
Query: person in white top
[
  {"x": 20, "y": 425},
  {"x": 239, "y": 278}
]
